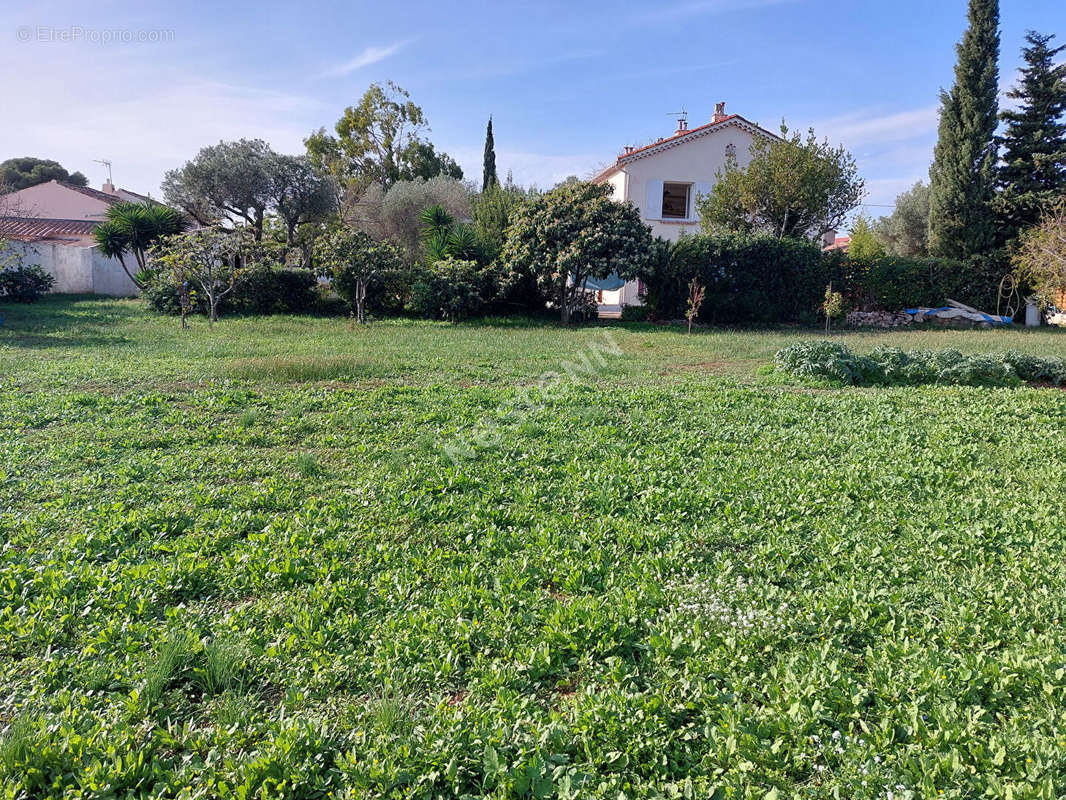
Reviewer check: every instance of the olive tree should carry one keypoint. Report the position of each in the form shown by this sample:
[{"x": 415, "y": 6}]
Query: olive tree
[
  {"x": 793, "y": 187},
  {"x": 229, "y": 180},
  {"x": 570, "y": 234}
]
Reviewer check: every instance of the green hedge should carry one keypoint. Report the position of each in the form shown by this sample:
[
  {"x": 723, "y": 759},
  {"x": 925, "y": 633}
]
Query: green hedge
[
  {"x": 763, "y": 280},
  {"x": 264, "y": 290}
]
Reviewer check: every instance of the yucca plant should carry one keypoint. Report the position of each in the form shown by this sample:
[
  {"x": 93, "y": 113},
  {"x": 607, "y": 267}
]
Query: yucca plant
[
  {"x": 444, "y": 237},
  {"x": 134, "y": 228}
]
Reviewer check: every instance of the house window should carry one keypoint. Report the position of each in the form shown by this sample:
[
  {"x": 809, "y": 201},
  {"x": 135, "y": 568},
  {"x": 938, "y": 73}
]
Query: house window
[{"x": 675, "y": 200}]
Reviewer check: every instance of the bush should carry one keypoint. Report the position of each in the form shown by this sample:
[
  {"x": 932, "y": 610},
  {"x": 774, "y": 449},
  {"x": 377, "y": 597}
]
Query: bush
[
  {"x": 761, "y": 280},
  {"x": 892, "y": 283},
  {"x": 749, "y": 279},
  {"x": 360, "y": 267},
  {"x": 891, "y": 366},
  {"x": 452, "y": 289},
  {"x": 23, "y": 283},
  {"x": 636, "y": 313},
  {"x": 263, "y": 290},
  {"x": 574, "y": 232}
]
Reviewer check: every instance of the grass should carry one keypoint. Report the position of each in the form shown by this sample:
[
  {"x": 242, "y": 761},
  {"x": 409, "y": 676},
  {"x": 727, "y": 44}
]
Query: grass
[{"x": 244, "y": 564}]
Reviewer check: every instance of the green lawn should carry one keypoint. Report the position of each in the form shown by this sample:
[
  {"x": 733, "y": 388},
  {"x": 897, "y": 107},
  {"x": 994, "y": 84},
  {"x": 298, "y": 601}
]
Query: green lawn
[{"x": 242, "y": 563}]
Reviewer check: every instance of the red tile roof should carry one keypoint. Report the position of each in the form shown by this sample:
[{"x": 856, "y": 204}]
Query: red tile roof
[
  {"x": 27, "y": 229},
  {"x": 672, "y": 141}
]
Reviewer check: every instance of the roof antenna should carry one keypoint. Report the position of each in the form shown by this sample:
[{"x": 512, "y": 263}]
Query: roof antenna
[
  {"x": 107, "y": 164},
  {"x": 682, "y": 119}
]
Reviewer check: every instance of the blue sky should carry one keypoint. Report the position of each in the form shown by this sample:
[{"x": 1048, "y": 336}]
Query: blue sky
[{"x": 568, "y": 83}]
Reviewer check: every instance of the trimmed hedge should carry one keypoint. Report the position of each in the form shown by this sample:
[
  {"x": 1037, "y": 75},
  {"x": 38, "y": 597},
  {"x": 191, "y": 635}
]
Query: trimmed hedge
[
  {"x": 763, "y": 280},
  {"x": 263, "y": 290},
  {"x": 891, "y": 366}
]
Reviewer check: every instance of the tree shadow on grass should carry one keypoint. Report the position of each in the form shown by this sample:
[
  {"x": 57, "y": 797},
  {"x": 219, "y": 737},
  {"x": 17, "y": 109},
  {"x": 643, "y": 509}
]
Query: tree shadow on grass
[{"x": 60, "y": 321}]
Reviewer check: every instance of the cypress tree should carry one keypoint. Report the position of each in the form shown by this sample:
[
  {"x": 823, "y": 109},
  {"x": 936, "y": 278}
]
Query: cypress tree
[
  {"x": 1032, "y": 175},
  {"x": 963, "y": 176},
  {"x": 488, "y": 177}
]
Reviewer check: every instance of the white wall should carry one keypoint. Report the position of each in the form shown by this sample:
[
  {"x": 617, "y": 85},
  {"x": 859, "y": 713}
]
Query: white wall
[
  {"x": 79, "y": 270},
  {"x": 696, "y": 161}
]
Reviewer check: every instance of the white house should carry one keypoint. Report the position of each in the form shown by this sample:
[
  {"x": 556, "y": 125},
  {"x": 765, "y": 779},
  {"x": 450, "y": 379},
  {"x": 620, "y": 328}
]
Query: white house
[
  {"x": 52, "y": 225},
  {"x": 665, "y": 178}
]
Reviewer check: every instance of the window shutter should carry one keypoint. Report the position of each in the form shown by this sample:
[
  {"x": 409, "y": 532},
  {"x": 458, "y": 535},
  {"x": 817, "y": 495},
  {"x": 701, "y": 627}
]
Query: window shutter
[
  {"x": 700, "y": 190},
  {"x": 653, "y": 205}
]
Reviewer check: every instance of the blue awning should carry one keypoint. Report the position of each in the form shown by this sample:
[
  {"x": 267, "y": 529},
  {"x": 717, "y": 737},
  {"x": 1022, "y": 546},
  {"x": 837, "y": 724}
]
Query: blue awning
[{"x": 612, "y": 283}]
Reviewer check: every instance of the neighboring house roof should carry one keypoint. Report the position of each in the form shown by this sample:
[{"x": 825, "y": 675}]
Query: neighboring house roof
[
  {"x": 682, "y": 137},
  {"x": 841, "y": 243},
  {"x": 64, "y": 200},
  {"x": 119, "y": 195},
  {"x": 28, "y": 229}
]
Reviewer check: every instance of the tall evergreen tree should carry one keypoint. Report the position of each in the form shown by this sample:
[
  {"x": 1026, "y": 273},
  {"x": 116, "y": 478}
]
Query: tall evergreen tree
[
  {"x": 488, "y": 177},
  {"x": 963, "y": 176},
  {"x": 1033, "y": 173}
]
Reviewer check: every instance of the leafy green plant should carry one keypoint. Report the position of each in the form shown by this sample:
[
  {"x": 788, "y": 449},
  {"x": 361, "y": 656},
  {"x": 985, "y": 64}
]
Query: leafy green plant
[
  {"x": 891, "y": 366},
  {"x": 353, "y": 260},
  {"x": 24, "y": 283},
  {"x": 832, "y": 306},
  {"x": 663, "y": 575},
  {"x": 452, "y": 289}
]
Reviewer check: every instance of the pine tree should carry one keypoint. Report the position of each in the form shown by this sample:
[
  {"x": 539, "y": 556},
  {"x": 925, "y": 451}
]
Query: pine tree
[
  {"x": 1033, "y": 173},
  {"x": 489, "y": 173},
  {"x": 864, "y": 246},
  {"x": 963, "y": 176}
]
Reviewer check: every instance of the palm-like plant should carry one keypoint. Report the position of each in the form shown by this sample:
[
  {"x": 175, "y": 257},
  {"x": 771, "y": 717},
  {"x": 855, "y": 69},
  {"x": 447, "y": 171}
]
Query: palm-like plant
[
  {"x": 443, "y": 237},
  {"x": 134, "y": 228}
]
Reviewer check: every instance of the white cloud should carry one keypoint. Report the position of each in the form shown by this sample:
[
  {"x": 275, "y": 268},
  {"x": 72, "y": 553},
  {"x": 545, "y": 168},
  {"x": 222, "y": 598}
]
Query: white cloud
[
  {"x": 371, "y": 55},
  {"x": 697, "y": 8},
  {"x": 863, "y": 128},
  {"x": 137, "y": 110}
]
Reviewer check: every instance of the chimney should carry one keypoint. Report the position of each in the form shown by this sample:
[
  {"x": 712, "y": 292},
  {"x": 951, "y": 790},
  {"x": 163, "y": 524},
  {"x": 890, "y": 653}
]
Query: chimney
[
  {"x": 719, "y": 112},
  {"x": 109, "y": 187},
  {"x": 682, "y": 126}
]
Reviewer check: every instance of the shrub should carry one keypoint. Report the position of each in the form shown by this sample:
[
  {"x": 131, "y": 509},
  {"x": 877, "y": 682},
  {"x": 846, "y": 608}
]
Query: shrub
[
  {"x": 892, "y": 283},
  {"x": 357, "y": 264},
  {"x": 749, "y": 279},
  {"x": 761, "y": 280},
  {"x": 267, "y": 290},
  {"x": 574, "y": 232},
  {"x": 24, "y": 283},
  {"x": 452, "y": 289},
  {"x": 891, "y": 366},
  {"x": 263, "y": 290},
  {"x": 636, "y": 313}
]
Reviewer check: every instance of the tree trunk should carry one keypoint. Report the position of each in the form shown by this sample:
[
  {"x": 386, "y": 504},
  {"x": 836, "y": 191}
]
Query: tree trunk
[
  {"x": 360, "y": 300},
  {"x": 122, "y": 261}
]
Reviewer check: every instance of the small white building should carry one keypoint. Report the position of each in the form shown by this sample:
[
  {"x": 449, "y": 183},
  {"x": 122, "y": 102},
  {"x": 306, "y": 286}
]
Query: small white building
[
  {"x": 51, "y": 225},
  {"x": 665, "y": 179}
]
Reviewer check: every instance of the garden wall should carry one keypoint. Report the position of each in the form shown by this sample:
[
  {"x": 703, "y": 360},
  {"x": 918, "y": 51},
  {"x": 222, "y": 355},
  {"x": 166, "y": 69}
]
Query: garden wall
[{"x": 78, "y": 270}]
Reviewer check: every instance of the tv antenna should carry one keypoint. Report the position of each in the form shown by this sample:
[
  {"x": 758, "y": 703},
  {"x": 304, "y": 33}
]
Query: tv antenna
[
  {"x": 682, "y": 119},
  {"x": 107, "y": 164}
]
